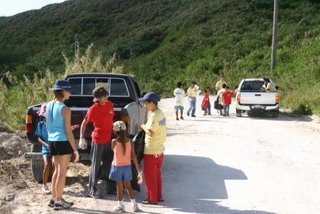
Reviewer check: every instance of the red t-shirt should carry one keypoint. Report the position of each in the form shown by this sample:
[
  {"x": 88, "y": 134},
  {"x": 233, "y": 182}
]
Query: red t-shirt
[
  {"x": 226, "y": 97},
  {"x": 102, "y": 118}
]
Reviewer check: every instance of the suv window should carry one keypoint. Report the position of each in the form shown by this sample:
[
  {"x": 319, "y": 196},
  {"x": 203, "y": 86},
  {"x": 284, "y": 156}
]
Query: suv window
[
  {"x": 251, "y": 86},
  {"x": 85, "y": 85}
]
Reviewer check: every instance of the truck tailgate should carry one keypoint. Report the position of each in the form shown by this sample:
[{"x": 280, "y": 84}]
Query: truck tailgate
[{"x": 258, "y": 98}]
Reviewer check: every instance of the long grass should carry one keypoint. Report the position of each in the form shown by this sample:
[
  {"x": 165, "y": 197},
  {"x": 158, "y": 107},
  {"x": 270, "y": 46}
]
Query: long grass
[{"x": 17, "y": 94}]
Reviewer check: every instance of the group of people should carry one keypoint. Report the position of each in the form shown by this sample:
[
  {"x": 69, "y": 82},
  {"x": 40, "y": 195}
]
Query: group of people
[
  {"x": 54, "y": 131},
  {"x": 222, "y": 102}
]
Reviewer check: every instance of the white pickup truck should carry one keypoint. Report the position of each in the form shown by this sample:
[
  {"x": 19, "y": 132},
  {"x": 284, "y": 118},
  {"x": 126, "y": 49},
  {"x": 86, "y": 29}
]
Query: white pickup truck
[{"x": 252, "y": 98}]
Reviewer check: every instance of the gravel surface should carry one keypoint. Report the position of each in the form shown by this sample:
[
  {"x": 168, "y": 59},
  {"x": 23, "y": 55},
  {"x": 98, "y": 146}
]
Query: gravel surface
[{"x": 213, "y": 164}]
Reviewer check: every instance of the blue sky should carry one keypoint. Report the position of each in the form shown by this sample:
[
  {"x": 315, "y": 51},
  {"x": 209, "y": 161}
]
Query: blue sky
[{"x": 12, "y": 7}]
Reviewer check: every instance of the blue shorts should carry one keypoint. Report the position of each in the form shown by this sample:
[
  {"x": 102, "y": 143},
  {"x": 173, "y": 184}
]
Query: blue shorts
[
  {"x": 178, "y": 108},
  {"x": 45, "y": 150},
  {"x": 120, "y": 173}
]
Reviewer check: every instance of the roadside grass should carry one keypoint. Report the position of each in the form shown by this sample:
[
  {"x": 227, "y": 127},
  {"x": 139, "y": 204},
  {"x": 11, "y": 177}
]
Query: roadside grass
[
  {"x": 17, "y": 94},
  {"x": 163, "y": 42}
]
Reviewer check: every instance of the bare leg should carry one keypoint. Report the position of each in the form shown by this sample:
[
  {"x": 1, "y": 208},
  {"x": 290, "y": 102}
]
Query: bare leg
[
  {"x": 129, "y": 189},
  {"x": 177, "y": 117},
  {"x": 120, "y": 190},
  {"x": 46, "y": 169},
  {"x": 54, "y": 177},
  {"x": 61, "y": 167}
]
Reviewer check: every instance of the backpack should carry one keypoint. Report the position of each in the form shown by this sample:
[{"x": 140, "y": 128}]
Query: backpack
[{"x": 217, "y": 105}]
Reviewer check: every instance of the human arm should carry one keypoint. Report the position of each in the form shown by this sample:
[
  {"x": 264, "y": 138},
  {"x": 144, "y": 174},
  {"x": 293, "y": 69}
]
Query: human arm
[
  {"x": 66, "y": 113},
  {"x": 41, "y": 132},
  {"x": 113, "y": 143},
  {"x": 43, "y": 142},
  {"x": 83, "y": 127},
  {"x": 151, "y": 126},
  {"x": 82, "y": 141},
  {"x": 148, "y": 131}
]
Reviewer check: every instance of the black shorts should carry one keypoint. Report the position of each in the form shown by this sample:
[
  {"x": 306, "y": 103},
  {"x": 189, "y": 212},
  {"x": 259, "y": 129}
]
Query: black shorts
[{"x": 60, "y": 148}]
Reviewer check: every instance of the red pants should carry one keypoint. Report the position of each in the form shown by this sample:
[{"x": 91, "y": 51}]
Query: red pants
[{"x": 152, "y": 174}]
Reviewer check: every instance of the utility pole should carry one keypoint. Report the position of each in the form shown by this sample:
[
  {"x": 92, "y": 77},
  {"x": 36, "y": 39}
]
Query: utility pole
[{"x": 274, "y": 34}]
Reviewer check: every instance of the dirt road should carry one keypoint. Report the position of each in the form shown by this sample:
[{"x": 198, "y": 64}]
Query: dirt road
[{"x": 213, "y": 164}]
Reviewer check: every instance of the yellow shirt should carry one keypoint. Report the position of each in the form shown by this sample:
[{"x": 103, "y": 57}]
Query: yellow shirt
[
  {"x": 192, "y": 92},
  {"x": 219, "y": 84},
  {"x": 157, "y": 123}
]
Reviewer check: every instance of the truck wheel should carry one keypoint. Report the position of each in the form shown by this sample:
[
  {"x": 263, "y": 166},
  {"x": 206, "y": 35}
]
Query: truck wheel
[
  {"x": 238, "y": 113},
  {"x": 37, "y": 164}
]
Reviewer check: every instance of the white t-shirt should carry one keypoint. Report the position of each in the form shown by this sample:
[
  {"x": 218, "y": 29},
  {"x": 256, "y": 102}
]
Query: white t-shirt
[{"x": 179, "y": 94}]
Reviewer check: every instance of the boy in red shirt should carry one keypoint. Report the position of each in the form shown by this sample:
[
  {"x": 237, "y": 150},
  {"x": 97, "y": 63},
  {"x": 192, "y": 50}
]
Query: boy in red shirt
[
  {"x": 226, "y": 100},
  {"x": 100, "y": 114}
]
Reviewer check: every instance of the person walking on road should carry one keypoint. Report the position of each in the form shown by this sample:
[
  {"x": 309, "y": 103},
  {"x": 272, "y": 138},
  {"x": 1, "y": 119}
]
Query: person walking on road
[
  {"x": 61, "y": 141},
  {"x": 100, "y": 114},
  {"x": 179, "y": 94},
  {"x": 219, "y": 97},
  {"x": 155, "y": 130},
  {"x": 220, "y": 83},
  {"x": 121, "y": 171},
  {"x": 205, "y": 105},
  {"x": 226, "y": 101},
  {"x": 192, "y": 97}
]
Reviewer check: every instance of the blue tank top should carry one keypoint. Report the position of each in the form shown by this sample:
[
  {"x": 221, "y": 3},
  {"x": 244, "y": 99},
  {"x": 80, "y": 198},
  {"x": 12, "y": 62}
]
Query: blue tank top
[{"x": 55, "y": 122}]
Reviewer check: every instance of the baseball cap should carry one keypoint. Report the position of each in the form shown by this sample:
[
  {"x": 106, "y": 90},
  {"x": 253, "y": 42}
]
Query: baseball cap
[
  {"x": 99, "y": 92},
  {"x": 150, "y": 96},
  {"x": 119, "y": 126}
]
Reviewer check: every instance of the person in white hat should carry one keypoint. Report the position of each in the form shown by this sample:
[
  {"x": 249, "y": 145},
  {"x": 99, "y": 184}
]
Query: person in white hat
[{"x": 121, "y": 171}]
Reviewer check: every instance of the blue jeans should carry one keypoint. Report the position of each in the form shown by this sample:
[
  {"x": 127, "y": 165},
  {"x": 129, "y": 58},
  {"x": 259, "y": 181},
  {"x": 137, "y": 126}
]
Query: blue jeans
[
  {"x": 226, "y": 110},
  {"x": 192, "y": 107}
]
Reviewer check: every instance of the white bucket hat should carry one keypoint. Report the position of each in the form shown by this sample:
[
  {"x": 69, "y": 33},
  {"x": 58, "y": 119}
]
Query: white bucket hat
[{"x": 119, "y": 126}]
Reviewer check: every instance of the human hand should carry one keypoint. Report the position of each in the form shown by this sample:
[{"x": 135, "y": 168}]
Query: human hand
[
  {"x": 140, "y": 178},
  {"x": 74, "y": 127},
  {"x": 76, "y": 156},
  {"x": 83, "y": 143}
]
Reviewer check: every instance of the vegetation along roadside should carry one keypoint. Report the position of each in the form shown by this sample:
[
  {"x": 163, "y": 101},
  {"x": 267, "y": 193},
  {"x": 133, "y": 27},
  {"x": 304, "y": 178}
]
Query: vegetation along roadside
[{"x": 160, "y": 42}]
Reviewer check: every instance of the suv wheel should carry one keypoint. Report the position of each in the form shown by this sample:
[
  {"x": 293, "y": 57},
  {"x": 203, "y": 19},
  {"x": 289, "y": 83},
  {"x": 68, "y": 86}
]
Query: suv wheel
[
  {"x": 37, "y": 164},
  {"x": 238, "y": 113}
]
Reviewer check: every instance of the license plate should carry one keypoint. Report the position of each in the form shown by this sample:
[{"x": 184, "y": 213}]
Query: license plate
[{"x": 257, "y": 106}]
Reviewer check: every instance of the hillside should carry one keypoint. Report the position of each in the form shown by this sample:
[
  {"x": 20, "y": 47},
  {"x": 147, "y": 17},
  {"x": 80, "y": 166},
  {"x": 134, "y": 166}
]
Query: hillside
[{"x": 163, "y": 41}]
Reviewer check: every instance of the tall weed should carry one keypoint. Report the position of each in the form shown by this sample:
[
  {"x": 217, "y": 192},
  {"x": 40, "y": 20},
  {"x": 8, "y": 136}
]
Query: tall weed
[{"x": 17, "y": 94}]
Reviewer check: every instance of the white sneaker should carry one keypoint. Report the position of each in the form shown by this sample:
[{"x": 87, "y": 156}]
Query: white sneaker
[
  {"x": 135, "y": 208},
  {"x": 119, "y": 209},
  {"x": 45, "y": 190}
]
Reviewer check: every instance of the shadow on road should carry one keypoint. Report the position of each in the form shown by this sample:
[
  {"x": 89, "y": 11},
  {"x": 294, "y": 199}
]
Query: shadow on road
[{"x": 195, "y": 184}]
